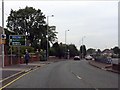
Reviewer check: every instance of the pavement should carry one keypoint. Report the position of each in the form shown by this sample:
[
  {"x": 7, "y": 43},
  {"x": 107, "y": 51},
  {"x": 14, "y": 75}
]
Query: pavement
[{"x": 107, "y": 67}]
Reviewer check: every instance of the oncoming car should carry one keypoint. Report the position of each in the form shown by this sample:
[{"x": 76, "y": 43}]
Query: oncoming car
[{"x": 76, "y": 58}]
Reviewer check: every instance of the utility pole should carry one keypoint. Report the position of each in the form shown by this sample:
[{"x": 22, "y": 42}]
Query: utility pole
[
  {"x": 65, "y": 42},
  {"x": 47, "y": 51},
  {"x": 3, "y": 32}
]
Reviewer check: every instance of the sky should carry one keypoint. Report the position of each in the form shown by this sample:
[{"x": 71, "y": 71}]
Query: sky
[{"x": 96, "y": 22}]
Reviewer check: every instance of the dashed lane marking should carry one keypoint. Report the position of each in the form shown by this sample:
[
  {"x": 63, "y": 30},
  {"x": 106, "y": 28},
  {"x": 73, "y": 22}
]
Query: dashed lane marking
[
  {"x": 79, "y": 77},
  {"x": 76, "y": 75}
]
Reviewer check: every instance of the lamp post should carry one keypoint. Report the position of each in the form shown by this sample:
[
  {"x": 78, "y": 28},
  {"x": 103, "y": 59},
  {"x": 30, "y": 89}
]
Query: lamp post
[
  {"x": 3, "y": 32},
  {"x": 65, "y": 41},
  {"x": 47, "y": 51}
]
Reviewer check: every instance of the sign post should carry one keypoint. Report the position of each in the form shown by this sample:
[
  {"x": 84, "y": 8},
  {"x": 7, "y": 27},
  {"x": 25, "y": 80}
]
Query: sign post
[{"x": 17, "y": 41}]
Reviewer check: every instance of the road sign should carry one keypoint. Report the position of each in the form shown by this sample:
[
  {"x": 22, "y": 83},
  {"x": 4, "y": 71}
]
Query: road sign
[
  {"x": 17, "y": 40},
  {"x": 3, "y": 36}
]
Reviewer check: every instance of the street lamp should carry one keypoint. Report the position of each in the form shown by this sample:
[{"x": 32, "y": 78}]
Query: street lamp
[
  {"x": 65, "y": 41},
  {"x": 47, "y": 35}
]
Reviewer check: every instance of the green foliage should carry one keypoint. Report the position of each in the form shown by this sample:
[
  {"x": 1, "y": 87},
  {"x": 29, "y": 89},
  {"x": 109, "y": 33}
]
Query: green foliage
[
  {"x": 116, "y": 50},
  {"x": 73, "y": 50},
  {"x": 83, "y": 50},
  {"x": 90, "y": 51},
  {"x": 31, "y": 21},
  {"x": 29, "y": 49},
  {"x": 52, "y": 51},
  {"x": 15, "y": 50},
  {"x": 58, "y": 50},
  {"x": 52, "y": 34}
]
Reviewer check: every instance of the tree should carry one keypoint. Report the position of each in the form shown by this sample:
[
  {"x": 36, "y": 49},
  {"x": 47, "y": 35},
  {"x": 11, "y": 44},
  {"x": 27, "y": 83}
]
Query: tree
[
  {"x": 73, "y": 50},
  {"x": 116, "y": 50},
  {"x": 52, "y": 37},
  {"x": 55, "y": 49},
  {"x": 82, "y": 51},
  {"x": 90, "y": 51},
  {"x": 61, "y": 50},
  {"x": 31, "y": 22}
]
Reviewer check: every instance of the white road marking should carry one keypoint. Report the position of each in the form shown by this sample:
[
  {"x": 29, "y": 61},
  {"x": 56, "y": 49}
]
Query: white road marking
[
  {"x": 76, "y": 75},
  {"x": 79, "y": 77}
]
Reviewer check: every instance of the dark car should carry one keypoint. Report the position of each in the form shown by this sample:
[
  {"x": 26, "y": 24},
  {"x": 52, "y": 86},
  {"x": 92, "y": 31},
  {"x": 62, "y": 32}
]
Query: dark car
[{"x": 76, "y": 58}]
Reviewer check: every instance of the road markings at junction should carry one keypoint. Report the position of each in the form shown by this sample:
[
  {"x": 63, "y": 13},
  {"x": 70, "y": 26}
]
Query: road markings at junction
[{"x": 17, "y": 79}]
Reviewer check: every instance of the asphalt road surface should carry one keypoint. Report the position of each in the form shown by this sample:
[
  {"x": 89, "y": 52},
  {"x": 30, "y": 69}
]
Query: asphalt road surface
[{"x": 68, "y": 74}]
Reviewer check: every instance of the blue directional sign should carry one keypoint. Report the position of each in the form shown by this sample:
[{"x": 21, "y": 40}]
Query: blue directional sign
[{"x": 17, "y": 40}]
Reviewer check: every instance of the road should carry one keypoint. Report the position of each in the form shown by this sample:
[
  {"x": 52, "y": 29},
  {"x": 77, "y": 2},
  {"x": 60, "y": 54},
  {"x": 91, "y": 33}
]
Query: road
[{"x": 68, "y": 74}]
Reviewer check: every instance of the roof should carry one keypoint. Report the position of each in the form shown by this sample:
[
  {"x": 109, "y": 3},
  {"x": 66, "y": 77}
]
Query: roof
[{"x": 107, "y": 51}]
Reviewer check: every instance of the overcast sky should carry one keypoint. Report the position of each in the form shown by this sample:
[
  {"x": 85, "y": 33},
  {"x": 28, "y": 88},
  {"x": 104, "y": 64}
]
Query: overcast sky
[{"x": 96, "y": 20}]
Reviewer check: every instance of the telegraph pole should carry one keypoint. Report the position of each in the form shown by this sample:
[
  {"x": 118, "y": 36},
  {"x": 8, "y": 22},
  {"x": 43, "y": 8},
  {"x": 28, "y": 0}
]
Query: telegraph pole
[
  {"x": 65, "y": 43},
  {"x": 3, "y": 32},
  {"x": 47, "y": 50}
]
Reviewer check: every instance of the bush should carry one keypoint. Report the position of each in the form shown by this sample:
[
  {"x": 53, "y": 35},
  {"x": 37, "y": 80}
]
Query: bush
[
  {"x": 15, "y": 50},
  {"x": 29, "y": 49}
]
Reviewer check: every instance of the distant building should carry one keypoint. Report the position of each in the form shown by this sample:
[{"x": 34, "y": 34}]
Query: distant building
[{"x": 107, "y": 52}]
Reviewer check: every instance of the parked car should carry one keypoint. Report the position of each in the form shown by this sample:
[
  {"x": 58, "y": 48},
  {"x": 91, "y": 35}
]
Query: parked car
[
  {"x": 107, "y": 60},
  {"x": 89, "y": 57},
  {"x": 76, "y": 58}
]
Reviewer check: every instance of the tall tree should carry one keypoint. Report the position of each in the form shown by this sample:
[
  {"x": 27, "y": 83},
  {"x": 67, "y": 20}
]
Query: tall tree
[
  {"x": 30, "y": 22},
  {"x": 73, "y": 50},
  {"x": 82, "y": 51},
  {"x": 56, "y": 49}
]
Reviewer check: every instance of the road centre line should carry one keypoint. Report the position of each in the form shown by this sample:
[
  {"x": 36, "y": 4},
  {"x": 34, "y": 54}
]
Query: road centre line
[
  {"x": 17, "y": 79},
  {"x": 83, "y": 80},
  {"x": 76, "y": 75},
  {"x": 79, "y": 77}
]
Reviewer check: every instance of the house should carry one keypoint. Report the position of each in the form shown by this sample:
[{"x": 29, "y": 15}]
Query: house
[{"x": 107, "y": 52}]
